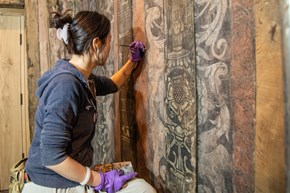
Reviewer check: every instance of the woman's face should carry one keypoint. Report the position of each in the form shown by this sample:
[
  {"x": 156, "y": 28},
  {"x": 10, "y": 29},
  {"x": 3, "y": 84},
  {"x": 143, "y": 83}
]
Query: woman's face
[
  {"x": 106, "y": 49},
  {"x": 101, "y": 54}
]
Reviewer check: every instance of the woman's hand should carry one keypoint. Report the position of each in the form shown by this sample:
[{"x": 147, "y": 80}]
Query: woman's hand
[
  {"x": 113, "y": 180},
  {"x": 137, "y": 50}
]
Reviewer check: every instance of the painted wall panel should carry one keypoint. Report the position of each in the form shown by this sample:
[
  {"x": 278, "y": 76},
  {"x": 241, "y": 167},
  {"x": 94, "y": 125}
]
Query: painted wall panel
[
  {"x": 165, "y": 104},
  {"x": 213, "y": 48},
  {"x": 103, "y": 143}
]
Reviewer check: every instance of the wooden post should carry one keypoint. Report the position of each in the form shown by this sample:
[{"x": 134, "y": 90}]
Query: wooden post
[{"x": 285, "y": 13}]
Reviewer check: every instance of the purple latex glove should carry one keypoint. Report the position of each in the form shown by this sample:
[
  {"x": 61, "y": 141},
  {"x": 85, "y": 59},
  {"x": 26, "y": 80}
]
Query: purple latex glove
[
  {"x": 137, "y": 50},
  {"x": 113, "y": 181}
]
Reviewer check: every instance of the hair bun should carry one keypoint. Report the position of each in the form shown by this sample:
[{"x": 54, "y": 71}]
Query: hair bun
[{"x": 59, "y": 20}]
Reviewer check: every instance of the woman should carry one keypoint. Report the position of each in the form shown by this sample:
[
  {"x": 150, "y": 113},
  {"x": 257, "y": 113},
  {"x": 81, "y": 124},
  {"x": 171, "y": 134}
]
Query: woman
[{"x": 61, "y": 152}]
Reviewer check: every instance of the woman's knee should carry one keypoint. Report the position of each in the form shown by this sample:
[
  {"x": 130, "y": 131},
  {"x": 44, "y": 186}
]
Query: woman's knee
[{"x": 138, "y": 185}]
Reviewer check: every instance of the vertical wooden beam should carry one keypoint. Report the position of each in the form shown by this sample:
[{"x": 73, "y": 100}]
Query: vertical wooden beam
[
  {"x": 117, "y": 95},
  {"x": 269, "y": 140},
  {"x": 145, "y": 88},
  {"x": 127, "y": 101},
  {"x": 43, "y": 18},
  {"x": 104, "y": 140},
  {"x": 243, "y": 94},
  {"x": 177, "y": 165},
  {"x": 214, "y": 114},
  {"x": 285, "y": 15},
  {"x": 33, "y": 61}
]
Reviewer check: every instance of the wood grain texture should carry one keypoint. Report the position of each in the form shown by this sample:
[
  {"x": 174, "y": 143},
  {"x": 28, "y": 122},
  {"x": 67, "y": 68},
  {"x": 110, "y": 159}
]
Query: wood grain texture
[
  {"x": 285, "y": 36},
  {"x": 243, "y": 93},
  {"x": 33, "y": 61},
  {"x": 11, "y": 140},
  {"x": 117, "y": 96},
  {"x": 126, "y": 93},
  {"x": 12, "y": 3},
  {"x": 270, "y": 133}
]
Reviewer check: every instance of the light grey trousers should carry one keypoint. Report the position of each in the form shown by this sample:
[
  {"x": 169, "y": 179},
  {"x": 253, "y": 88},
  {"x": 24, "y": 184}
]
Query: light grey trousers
[{"x": 136, "y": 185}]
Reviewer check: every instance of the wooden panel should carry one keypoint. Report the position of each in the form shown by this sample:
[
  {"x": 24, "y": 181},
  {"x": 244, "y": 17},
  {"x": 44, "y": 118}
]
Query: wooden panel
[
  {"x": 270, "y": 133},
  {"x": 24, "y": 90},
  {"x": 243, "y": 94},
  {"x": 11, "y": 11},
  {"x": 142, "y": 92},
  {"x": 126, "y": 100},
  {"x": 215, "y": 142},
  {"x": 177, "y": 166},
  {"x": 33, "y": 62},
  {"x": 12, "y": 3},
  {"x": 11, "y": 146},
  {"x": 44, "y": 42},
  {"x": 165, "y": 95},
  {"x": 104, "y": 140},
  {"x": 285, "y": 13},
  {"x": 115, "y": 48}
]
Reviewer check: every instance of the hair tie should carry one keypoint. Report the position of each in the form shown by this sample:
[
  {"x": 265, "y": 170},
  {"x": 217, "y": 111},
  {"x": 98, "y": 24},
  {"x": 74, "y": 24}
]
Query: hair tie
[{"x": 62, "y": 33}]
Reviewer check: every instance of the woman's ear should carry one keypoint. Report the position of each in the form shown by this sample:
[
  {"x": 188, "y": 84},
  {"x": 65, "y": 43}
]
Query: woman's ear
[{"x": 97, "y": 44}]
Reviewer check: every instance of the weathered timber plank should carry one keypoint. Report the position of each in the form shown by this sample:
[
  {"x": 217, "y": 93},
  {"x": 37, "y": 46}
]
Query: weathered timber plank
[
  {"x": 270, "y": 132},
  {"x": 284, "y": 5},
  {"x": 33, "y": 61},
  {"x": 243, "y": 93},
  {"x": 104, "y": 140}
]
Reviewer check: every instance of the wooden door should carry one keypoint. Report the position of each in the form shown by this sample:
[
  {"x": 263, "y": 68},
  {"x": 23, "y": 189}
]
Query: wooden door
[{"x": 11, "y": 121}]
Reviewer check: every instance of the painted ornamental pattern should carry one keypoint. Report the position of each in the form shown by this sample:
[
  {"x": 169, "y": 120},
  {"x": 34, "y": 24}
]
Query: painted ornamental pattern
[{"x": 213, "y": 88}]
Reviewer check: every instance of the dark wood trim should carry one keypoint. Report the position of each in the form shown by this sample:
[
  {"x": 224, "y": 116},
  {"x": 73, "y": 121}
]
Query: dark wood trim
[{"x": 15, "y": 6}]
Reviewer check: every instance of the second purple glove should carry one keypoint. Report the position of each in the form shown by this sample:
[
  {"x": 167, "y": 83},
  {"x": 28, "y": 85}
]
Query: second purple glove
[
  {"x": 113, "y": 181},
  {"x": 137, "y": 50}
]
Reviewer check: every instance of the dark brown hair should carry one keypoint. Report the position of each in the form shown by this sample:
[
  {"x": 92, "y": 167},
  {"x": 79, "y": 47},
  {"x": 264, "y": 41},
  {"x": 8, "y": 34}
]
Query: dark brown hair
[{"x": 83, "y": 28}]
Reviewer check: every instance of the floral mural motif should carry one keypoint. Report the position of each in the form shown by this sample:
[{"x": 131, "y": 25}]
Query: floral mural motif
[
  {"x": 214, "y": 134},
  {"x": 177, "y": 165}
]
